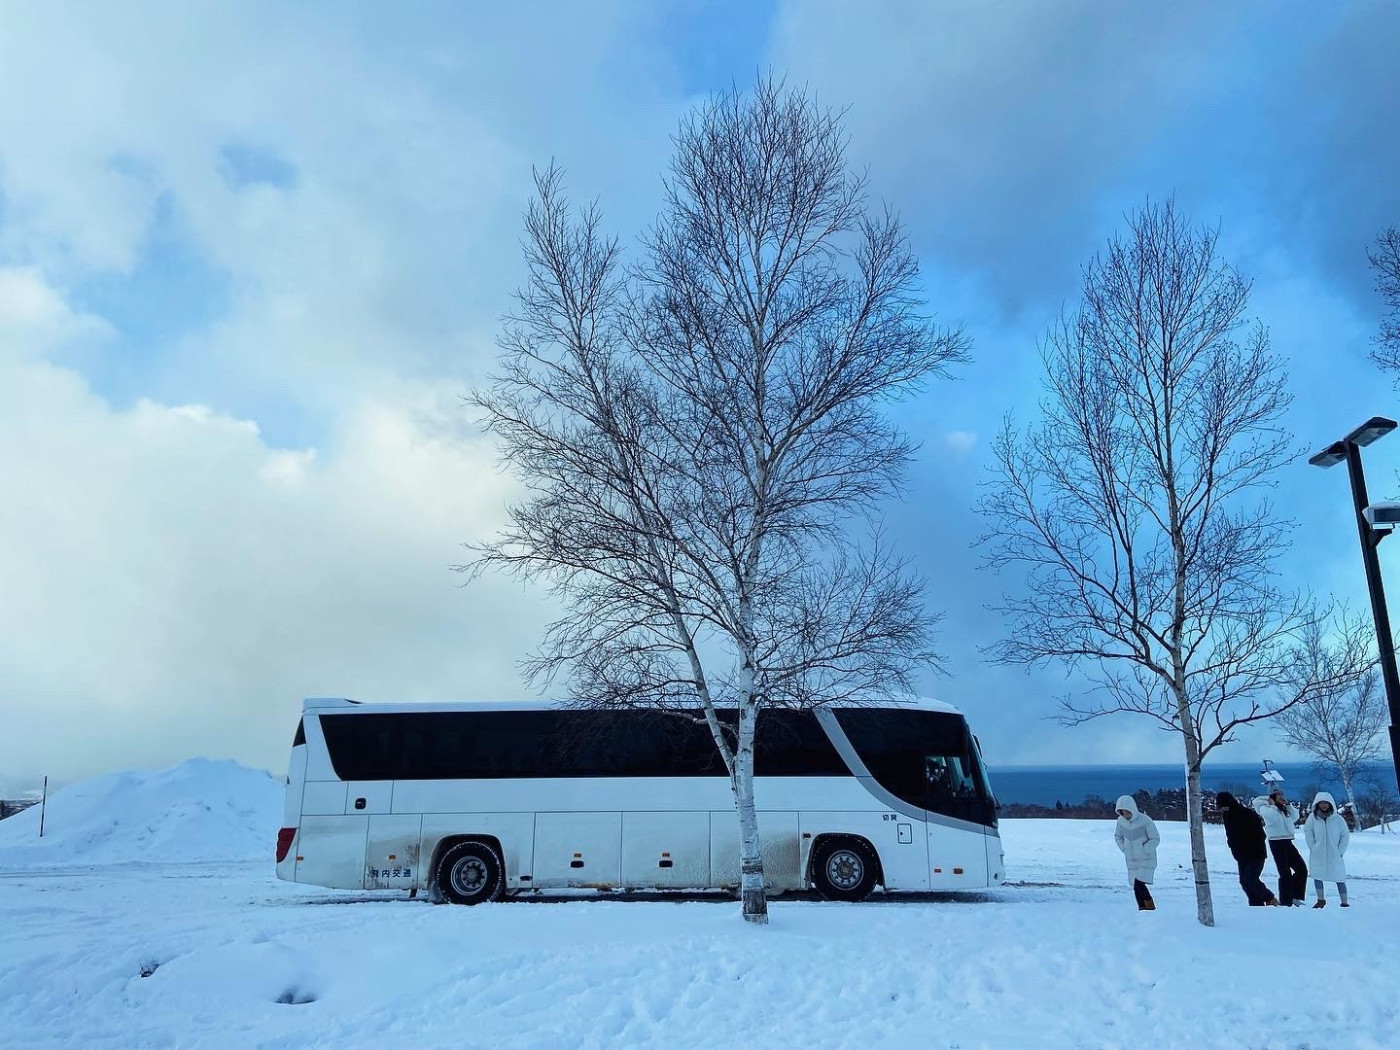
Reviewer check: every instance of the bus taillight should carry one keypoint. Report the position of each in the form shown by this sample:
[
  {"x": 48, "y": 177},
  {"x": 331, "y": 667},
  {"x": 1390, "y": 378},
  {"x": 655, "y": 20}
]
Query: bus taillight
[{"x": 284, "y": 842}]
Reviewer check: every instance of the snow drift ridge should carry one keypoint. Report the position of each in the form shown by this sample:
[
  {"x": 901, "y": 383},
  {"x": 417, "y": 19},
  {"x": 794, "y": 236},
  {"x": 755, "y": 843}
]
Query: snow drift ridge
[{"x": 202, "y": 809}]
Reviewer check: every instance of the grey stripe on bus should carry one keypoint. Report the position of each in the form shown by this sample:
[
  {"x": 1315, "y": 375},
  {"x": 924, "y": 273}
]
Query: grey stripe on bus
[{"x": 827, "y": 718}]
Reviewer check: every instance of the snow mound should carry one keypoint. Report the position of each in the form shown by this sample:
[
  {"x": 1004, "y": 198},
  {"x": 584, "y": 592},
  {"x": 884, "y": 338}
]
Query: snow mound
[{"x": 200, "y": 810}]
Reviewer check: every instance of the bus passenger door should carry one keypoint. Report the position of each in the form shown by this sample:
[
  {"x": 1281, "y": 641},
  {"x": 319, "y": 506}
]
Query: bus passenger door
[{"x": 957, "y": 850}]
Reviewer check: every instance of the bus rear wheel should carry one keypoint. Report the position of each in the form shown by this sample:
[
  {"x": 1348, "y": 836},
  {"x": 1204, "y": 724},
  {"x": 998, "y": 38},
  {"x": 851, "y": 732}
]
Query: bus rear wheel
[
  {"x": 469, "y": 873},
  {"x": 844, "y": 869}
]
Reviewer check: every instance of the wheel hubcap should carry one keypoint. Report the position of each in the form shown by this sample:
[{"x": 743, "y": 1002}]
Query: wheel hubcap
[
  {"x": 845, "y": 869},
  {"x": 469, "y": 876}
]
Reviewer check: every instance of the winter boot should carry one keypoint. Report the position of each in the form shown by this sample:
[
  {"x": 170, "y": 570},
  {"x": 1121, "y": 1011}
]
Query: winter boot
[
  {"x": 1148, "y": 905},
  {"x": 1345, "y": 904},
  {"x": 1321, "y": 903}
]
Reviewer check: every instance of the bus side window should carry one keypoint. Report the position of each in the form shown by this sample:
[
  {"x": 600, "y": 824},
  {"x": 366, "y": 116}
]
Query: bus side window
[
  {"x": 940, "y": 781},
  {"x": 946, "y": 778},
  {"x": 412, "y": 756}
]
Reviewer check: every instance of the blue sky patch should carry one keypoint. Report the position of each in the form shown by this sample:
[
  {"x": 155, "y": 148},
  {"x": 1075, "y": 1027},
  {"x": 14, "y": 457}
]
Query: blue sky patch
[{"x": 244, "y": 165}]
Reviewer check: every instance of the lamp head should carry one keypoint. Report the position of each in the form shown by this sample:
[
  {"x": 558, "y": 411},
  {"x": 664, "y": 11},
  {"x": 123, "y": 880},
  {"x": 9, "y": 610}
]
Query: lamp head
[
  {"x": 1373, "y": 429},
  {"x": 1329, "y": 456}
]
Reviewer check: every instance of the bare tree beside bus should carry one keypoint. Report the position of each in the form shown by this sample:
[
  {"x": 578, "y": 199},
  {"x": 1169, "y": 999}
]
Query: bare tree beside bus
[{"x": 698, "y": 432}]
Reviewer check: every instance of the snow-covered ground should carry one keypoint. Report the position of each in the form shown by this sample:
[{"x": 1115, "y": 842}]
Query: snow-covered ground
[{"x": 1060, "y": 959}]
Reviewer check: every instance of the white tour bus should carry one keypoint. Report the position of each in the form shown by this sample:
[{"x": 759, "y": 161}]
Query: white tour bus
[{"x": 474, "y": 801}]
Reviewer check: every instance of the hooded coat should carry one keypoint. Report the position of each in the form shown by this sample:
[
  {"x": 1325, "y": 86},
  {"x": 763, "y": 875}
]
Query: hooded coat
[
  {"x": 1327, "y": 839},
  {"x": 1137, "y": 837}
]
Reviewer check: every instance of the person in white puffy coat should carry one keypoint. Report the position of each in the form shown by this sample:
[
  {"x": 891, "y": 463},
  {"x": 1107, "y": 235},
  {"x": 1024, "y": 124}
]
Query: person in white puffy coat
[
  {"x": 1327, "y": 837},
  {"x": 1136, "y": 835}
]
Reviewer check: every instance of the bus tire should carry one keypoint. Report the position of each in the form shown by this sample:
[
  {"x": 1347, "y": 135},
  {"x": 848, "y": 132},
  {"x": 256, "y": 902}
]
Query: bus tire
[
  {"x": 844, "y": 869},
  {"x": 470, "y": 873}
]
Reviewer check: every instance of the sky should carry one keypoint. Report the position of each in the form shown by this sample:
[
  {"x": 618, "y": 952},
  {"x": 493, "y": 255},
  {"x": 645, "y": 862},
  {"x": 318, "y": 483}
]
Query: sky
[{"x": 251, "y": 257}]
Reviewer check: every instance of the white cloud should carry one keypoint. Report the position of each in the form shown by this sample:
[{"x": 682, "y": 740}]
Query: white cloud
[
  {"x": 172, "y": 584},
  {"x": 33, "y": 316},
  {"x": 961, "y": 441},
  {"x": 392, "y": 245},
  {"x": 173, "y": 581}
]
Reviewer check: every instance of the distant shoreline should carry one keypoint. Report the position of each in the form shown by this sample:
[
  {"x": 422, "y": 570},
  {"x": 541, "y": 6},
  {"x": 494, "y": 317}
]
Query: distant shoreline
[{"x": 1044, "y": 785}]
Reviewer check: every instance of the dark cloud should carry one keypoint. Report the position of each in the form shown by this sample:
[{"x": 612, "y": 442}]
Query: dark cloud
[
  {"x": 1013, "y": 137},
  {"x": 996, "y": 127}
]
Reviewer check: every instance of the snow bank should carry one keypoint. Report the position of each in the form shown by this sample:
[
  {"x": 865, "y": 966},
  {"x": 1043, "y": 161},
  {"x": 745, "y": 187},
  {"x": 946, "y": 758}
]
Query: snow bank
[{"x": 201, "y": 810}]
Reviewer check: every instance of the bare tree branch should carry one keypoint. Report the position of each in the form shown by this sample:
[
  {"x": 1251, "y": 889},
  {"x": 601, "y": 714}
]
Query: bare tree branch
[{"x": 1385, "y": 260}]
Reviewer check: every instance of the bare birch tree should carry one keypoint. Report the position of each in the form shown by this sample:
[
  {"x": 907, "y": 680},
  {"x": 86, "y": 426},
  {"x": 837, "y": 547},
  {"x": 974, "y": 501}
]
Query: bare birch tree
[
  {"x": 1342, "y": 729},
  {"x": 1128, "y": 506},
  {"x": 1378, "y": 806},
  {"x": 1385, "y": 260},
  {"x": 698, "y": 432}
]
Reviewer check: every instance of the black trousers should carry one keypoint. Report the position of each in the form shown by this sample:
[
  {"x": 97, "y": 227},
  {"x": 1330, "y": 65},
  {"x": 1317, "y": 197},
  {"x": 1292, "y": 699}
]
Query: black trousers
[
  {"x": 1292, "y": 872},
  {"x": 1254, "y": 887},
  {"x": 1141, "y": 892}
]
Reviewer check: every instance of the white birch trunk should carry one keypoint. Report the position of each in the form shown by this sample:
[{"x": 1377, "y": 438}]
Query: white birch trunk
[
  {"x": 751, "y": 887},
  {"x": 1351, "y": 798},
  {"x": 1195, "y": 817},
  {"x": 1205, "y": 907}
]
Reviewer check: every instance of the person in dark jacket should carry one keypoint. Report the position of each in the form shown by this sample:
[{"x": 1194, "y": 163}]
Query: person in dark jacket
[{"x": 1244, "y": 834}]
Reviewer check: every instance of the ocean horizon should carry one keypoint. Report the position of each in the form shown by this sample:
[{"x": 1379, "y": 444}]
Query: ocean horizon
[{"x": 1046, "y": 785}]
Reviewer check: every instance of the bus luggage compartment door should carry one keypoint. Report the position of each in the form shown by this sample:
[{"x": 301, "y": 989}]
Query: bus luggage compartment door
[
  {"x": 331, "y": 851},
  {"x": 778, "y": 834},
  {"x": 391, "y": 855},
  {"x": 957, "y": 855},
  {"x": 578, "y": 850},
  {"x": 666, "y": 850}
]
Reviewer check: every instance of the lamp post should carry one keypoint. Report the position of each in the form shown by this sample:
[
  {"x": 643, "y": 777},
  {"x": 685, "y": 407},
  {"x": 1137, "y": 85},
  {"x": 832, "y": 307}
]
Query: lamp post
[{"x": 1372, "y": 528}]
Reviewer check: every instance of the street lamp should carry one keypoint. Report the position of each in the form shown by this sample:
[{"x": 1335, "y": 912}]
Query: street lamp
[{"x": 1373, "y": 523}]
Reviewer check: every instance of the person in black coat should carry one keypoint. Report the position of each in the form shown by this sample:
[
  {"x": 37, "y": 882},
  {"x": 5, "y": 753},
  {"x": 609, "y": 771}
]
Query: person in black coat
[{"x": 1244, "y": 834}]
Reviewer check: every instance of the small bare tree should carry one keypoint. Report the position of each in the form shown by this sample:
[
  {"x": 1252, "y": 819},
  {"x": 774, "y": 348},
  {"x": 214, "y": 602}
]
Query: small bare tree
[
  {"x": 697, "y": 433},
  {"x": 1385, "y": 260},
  {"x": 1342, "y": 729},
  {"x": 1127, "y": 507},
  {"x": 1378, "y": 806}
]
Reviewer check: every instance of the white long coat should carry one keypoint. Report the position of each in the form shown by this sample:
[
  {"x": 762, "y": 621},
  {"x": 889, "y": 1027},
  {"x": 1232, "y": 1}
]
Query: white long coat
[
  {"x": 1137, "y": 837},
  {"x": 1327, "y": 842}
]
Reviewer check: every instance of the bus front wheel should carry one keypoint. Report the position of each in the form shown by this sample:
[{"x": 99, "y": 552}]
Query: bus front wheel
[
  {"x": 470, "y": 873},
  {"x": 844, "y": 869}
]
